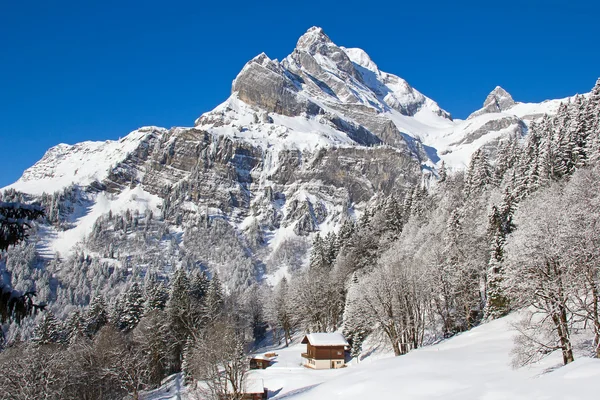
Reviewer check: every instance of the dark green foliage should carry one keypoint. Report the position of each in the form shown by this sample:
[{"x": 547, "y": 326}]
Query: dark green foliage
[{"x": 15, "y": 220}]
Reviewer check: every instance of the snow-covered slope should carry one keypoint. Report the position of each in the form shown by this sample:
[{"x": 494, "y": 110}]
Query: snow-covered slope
[
  {"x": 81, "y": 164},
  {"x": 475, "y": 365}
]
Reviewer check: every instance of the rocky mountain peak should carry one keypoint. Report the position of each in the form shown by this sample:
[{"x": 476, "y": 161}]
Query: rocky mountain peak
[
  {"x": 499, "y": 100},
  {"x": 313, "y": 37}
]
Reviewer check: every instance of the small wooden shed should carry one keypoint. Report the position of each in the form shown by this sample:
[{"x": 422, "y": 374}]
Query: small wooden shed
[
  {"x": 255, "y": 390},
  {"x": 260, "y": 362}
]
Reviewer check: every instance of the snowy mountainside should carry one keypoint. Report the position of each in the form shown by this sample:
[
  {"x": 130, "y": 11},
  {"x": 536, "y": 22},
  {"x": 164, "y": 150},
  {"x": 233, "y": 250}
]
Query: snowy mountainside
[
  {"x": 82, "y": 164},
  {"x": 299, "y": 146}
]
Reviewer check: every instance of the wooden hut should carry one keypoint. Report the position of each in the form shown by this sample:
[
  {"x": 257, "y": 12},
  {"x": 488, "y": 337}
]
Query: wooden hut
[{"x": 325, "y": 350}]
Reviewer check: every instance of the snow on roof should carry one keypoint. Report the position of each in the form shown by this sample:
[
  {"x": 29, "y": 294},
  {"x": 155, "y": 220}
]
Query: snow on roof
[
  {"x": 252, "y": 385},
  {"x": 262, "y": 357},
  {"x": 325, "y": 339}
]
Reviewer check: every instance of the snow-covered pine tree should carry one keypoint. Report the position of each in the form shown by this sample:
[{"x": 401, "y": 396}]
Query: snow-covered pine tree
[
  {"x": 592, "y": 117},
  {"x": 96, "y": 316},
  {"x": 356, "y": 322},
  {"x": 479, "y": 175},
  {"x": 74, "y": 329},
  {"x": 345, "y": 233},
  {"x": 117, "y": 312},
  {"x": 318, "y": 259},
  {"x": 199, "y": 284},
  {"x": 500, "y": 225},
  {"x": 330, "y": 249},
  {"x": 442, "y": 173},
  {"x": 133, "y": 307},
  {"x": 214, "y": 298},
  {"x": 283, "y": 314},
  {"x": 156, "y": 295},
  {"x": 178, "y": 316},
  {"x": 393, "y": 218},
  {"x": 47, "y": 330}
]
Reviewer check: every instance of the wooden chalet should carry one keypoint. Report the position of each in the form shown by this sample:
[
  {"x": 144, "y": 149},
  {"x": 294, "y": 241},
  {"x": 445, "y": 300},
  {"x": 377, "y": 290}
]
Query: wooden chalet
[
  {"x": 325, "y": 350},
  {"x": 260, "y": 361}
]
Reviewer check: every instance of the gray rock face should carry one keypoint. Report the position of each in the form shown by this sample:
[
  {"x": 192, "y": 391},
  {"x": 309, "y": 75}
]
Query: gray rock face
[
  {"x": 497, "y": 101},
  {"x": 517, "y": 127},
  {"x": 264, "y": 84},
  {"x": 320, "y": 78}
]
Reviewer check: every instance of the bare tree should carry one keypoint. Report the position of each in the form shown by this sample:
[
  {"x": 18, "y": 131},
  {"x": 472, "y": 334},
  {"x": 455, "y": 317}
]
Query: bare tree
[
  {"x": 536, "y": 273},
  {"x": 218, "y": 363}
]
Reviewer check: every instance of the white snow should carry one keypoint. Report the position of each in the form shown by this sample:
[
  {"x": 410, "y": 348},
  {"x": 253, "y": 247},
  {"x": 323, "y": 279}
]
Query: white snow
[
  {"x": 326, "y": 339},
  {"x": 470, "y": 366},
  {"x": 474, "y": 365},
  {"x": 64, "y": 242},
  {"x": 81, "y": 164}
]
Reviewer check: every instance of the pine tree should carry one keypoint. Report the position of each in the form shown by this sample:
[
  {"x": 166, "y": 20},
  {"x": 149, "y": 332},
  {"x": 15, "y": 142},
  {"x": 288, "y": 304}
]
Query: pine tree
[
  {"x": 393, "y": 218},
  {"x": 500, "y": 225},
  {"x": 479, "y": 175},
  {"x": 506, "y": 158},
  {"x": 283, "y": 313},
  {"x": 345, "y": 233},
  {"x": 356, "y": 318},
  {"x": 15, "y": 221},
  {"x": 74, "y": 329},
  {"x": 442, "y": 173},
  {"x": 96, "y": 316},
  {"x": 199, "y": 284},
  {"x": 156, "y": 295},
  {"x": 317, "y": 254},
  {"x": 178, "y": 316},
  {"x": 47, "y": 330},
  {"x": 330, "y": 249},
  {"x": 116, "y": 314},
  {"x": 592, "y": 117},
  {"x": 133, "y": 307},
  {"x": 214, "y": 298}
]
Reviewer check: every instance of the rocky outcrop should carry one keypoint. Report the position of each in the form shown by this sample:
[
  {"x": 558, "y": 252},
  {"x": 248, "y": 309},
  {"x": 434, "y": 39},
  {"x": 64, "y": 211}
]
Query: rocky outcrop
[
  {"x": 516, "y": 125},
  {"x": 498, "y": 100},
  {"x": 264, "y": 84}
]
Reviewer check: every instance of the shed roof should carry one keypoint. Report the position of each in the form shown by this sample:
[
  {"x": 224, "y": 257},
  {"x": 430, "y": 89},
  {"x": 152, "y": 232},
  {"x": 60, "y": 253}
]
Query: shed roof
[
  {"x": 325, "y": 339},
  {"x": 262, "y": 357}
]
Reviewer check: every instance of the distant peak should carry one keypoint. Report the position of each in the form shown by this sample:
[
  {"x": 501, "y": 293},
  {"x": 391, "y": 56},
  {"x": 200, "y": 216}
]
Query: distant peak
[
  {"x": 262, "y": 59},
  {"x": 499, "y": 100},
  {"x": 312, "y": 36},
  {"x": 499, "y": 90}
]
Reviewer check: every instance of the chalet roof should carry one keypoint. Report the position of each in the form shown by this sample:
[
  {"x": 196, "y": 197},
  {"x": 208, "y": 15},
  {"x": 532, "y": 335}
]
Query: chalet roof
[
  {"x": 254, "y": 386},
  {"x": 262, "y": 357},
  {"x": 325, "y": 339}
]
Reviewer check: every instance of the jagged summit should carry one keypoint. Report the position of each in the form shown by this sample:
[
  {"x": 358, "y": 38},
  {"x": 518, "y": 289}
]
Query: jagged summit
[
  {"x": 499, "y": 100},
  {"x": 342, "y": 87},
  {"x": 313, "y": 36}
]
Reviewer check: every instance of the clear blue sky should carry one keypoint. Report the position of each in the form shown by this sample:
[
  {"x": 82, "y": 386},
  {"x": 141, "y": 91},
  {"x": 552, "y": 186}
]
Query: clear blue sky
[{"x": 94, "y": 70}]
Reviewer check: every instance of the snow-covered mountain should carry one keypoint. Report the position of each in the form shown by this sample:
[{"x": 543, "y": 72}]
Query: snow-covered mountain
[{"x": 300, "y": 145}]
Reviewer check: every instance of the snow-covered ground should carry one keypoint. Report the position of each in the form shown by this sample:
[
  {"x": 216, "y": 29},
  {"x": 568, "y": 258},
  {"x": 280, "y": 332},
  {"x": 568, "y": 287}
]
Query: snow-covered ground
[{"x": 473, "y": 365}]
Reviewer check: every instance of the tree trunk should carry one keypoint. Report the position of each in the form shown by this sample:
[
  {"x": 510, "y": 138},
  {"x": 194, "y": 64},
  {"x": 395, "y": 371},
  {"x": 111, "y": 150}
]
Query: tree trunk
[
  {"x": 560, "y": 321},
  {"x": 596, "y": 316}
]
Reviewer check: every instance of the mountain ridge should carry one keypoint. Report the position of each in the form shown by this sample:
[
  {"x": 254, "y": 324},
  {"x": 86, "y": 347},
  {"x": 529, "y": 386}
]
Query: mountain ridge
[{"x": 299, "y": 146}]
